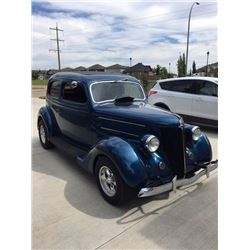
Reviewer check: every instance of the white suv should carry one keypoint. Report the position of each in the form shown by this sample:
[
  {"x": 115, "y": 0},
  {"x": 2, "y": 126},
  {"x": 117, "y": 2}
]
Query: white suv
[{"x": 194, "y": 98}]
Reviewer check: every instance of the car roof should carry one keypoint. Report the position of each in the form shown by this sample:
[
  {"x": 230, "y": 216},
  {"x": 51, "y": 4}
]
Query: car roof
[
  {"x": 90, "y": 77},
  {"x": 212, "y": 79}
]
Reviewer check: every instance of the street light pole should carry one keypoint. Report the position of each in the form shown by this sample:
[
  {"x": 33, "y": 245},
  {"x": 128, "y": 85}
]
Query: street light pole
[
  {"x": 169, "y": 68},
  {"x": 207, "y": 64},
  {"x": 195, "y": 3}
]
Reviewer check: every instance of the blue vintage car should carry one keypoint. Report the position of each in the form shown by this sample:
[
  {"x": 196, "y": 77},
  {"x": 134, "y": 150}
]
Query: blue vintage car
[{"x": 106, "y": 124}]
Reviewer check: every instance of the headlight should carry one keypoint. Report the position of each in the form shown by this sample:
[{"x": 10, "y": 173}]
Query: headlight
[
  {"x": 196, "y": 133},
  {"x": 152, "y": 143}
]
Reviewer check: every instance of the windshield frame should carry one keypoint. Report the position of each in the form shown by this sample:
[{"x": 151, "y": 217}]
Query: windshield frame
[{"x": 112, "y": 100}]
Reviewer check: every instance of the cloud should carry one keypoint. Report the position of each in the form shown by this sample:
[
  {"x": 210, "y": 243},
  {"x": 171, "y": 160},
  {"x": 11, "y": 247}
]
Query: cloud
[{"x": 111, "y": 32}]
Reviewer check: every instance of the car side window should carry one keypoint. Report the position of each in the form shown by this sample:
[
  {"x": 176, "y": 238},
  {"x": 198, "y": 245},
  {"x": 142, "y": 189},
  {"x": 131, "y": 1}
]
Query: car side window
[
  {"x": 73, "y": 91},
  {"x": 184, "y": 86},
  {"x": 206, "y": 88},
  {"x": 55, "y": 88}
]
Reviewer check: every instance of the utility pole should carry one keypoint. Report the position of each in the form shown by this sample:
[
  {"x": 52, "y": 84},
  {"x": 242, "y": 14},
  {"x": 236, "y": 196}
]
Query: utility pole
[
  {"x": 189, "y": 17},
  {"x": 57, "y": 45},
  {"x": 207, "y": 64}
]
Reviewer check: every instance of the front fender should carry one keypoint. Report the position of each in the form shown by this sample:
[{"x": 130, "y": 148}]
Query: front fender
[
  {"x": 125, "y": 157},
  {"x": 201, "y": 150}
]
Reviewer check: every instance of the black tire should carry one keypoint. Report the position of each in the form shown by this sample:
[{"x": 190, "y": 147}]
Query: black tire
[
  {"x": 123, "y": 193},
  {"x": 43, "y": 135}
]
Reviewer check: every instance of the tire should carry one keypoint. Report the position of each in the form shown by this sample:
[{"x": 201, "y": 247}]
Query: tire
[
  {"x": 112, "y": 186},
  {"x": 43, "y": 135}
]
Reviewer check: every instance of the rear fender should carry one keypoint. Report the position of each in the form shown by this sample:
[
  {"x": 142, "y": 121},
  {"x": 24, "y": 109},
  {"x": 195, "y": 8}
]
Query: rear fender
[{"x": 49, "y": 120}]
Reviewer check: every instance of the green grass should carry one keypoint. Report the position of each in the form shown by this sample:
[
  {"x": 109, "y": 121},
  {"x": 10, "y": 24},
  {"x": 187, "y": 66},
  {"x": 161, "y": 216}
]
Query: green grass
[
  {"x": 39, "y": 82},
  {"x": 42, "y": 97}
]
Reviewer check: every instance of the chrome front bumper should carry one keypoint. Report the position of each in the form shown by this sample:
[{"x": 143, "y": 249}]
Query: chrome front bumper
[{"x": 150, "y": 191}]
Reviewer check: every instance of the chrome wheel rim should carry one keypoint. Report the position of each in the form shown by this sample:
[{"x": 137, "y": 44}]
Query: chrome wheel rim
[
  {"x": 107, "y": 181},
  {"x": 42, "y": 134}
]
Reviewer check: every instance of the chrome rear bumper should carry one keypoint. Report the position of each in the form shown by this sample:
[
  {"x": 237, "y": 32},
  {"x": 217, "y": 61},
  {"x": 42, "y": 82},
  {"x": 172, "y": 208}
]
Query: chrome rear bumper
[{"x": 150, "y": 191}]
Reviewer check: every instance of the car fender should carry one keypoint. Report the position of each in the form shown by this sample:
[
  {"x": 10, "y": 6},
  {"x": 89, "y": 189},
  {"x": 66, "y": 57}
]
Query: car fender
[
  {"x": 49, "y": 121},
  {"x": 201, "y": 150},
  {"x": 126, "y": 158}
]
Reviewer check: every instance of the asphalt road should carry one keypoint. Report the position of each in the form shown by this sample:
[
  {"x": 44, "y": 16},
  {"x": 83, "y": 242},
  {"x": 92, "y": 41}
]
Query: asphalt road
[{"x": 69, "y": 213}]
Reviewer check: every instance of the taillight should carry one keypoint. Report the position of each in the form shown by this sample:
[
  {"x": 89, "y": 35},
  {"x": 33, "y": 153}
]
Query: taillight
[{"x": 152, "y": 92}]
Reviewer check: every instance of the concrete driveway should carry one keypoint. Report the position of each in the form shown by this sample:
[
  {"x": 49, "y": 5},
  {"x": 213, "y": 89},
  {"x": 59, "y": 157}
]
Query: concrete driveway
[{"x": 68, "y": 211}]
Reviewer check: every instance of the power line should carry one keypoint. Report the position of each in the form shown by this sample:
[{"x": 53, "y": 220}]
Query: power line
[
  {"x": 173, "y": 14},
  {"x": 133, "y": 47},
  {"x": 148, "y": 39},
  {"x": 57, "y": 45}
]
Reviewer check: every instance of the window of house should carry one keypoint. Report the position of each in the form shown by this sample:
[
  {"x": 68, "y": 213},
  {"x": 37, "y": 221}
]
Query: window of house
[{"x": 73, "y": 91}]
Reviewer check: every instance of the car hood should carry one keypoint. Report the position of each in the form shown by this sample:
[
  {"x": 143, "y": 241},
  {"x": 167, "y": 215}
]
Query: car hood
[{"x": 139, "y": 112}]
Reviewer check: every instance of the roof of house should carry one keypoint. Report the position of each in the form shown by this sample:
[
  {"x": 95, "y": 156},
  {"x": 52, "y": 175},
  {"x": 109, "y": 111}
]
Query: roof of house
[
  {"x": 80, "y": 68},
  {"x": 116, "y": 66},
  {"x": 67, "y": 69},
  {"x": 96, "y": 67},
  {"x": 139, "y": 67},
  {"x": 212, "y": 65}
]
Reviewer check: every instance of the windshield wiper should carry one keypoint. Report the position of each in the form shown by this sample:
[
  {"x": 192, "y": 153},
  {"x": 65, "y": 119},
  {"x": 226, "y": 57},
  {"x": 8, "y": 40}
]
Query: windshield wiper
[{"x": 124, "y": 99}]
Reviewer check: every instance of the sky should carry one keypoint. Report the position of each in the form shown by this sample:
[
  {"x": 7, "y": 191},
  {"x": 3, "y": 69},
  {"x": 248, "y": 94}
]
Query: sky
[{"x": 110, "y": 32}]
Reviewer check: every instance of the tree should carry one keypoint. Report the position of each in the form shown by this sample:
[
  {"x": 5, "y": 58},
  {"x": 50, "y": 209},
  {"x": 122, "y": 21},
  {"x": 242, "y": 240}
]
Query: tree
[
  {"x": 161, "y": 72},
  {"x": 158, "y": 69},
  {"x": 194, "y": 67},
  {"x": 181, "y": 66}
]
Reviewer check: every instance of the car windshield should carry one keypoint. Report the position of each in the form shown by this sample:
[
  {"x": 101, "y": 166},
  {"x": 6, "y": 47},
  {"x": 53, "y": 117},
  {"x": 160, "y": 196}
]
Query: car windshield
[{"x": 110, "y": 91}]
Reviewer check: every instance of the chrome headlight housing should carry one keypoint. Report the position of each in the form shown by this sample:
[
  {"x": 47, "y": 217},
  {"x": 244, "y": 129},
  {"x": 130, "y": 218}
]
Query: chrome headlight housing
[
  {"x": 152, "y": 143},
  {"x": 196, "y": 133}
]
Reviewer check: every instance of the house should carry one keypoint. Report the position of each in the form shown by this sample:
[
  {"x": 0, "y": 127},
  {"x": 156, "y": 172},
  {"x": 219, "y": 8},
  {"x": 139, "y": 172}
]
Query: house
[
  {"x": 39, "y": 74},
  {"x": 96, "y": 67},
  {"x": 67, "y": 69},
  {"x": 116, "y": 68},
  {"x": 80, "y": 68},
  {"x": 141, "y": 71},
  {"x": 210, "y": 70}
]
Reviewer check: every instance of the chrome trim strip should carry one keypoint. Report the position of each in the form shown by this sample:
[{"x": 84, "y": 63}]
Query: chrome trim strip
[
  {"x": 131, "y": 123},
  {"x": 150, "y": 191},
  {"x": 118, "y": 131},
  {"x": 90, "y": 88}
]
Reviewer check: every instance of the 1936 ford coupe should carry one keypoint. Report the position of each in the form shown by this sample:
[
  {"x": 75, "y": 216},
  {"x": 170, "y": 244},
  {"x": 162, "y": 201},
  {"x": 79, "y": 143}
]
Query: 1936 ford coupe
[{"x": 106, "y": 124}]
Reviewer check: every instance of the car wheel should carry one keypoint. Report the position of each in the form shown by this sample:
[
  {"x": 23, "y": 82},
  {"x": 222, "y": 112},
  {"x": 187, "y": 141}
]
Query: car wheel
[
  {"x": 110, "y": 183},
  {"x": 43, "y": 135}
]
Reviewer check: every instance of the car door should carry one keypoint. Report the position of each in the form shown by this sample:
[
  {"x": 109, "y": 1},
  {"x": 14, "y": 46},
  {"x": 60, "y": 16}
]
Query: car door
[
  {"x": 205, "y": 104},
  {"x": 74, "y": 114},
  {"x": 178, "y": 96}
]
